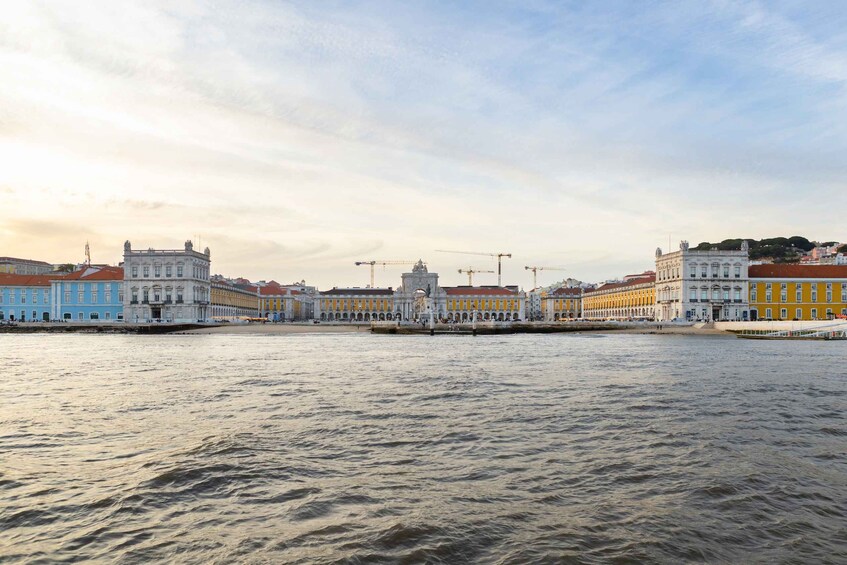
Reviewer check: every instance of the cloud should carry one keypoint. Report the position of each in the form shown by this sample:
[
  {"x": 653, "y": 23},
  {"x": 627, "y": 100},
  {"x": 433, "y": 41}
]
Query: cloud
[{"x": 295, "y": 140}]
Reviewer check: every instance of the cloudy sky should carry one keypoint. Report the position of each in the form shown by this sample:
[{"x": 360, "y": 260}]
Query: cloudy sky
[{"x": 296, "y": 138}]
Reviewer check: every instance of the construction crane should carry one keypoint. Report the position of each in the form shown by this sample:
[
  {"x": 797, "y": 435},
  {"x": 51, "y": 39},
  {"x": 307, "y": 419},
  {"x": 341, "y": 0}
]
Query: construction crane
[
  {"x": 535, "y": 273},
  {"x": 470, "y": 271},
  {"x": 498, "y": 255},
  {"x": 383, "y": 263}
]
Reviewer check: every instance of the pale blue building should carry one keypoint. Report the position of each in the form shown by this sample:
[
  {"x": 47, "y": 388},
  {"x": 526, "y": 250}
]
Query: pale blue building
[
  {"x": 25, "y": 298},
  {"x": 91, "y": 294}
]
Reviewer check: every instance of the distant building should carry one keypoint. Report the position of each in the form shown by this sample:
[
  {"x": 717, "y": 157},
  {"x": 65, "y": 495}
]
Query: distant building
[
  {"x": 25, "y": 298},
  {"x": 563, "y": 303},
  {"x": 13, "y": 265},
  {"x": 798, "y": 292},
  {"x": 707, "y": 285},
  {"x": 630, "y": 299},
  {"x": 90, "y": 294},
  {"x": 286, "y": 303},
  {"x": 356, "y": 305},
  {"x": 171, "y": 285},
  {"x": 231, "y": 301},
  {"x": 489, "y": 303}
]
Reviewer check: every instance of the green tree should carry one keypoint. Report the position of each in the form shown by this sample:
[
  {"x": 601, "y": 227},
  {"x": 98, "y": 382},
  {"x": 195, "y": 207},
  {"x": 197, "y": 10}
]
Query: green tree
[{"x": 66, "y": 268}]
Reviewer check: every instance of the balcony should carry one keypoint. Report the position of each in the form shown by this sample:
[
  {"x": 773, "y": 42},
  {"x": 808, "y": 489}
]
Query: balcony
[
  {"x": 168, "y": 301},
  {"x": 133, "y": 301},
  {"x": 179, "y": 301},
  {"x": 145, "y": 302},
  {"x": 738, "y": 301}
]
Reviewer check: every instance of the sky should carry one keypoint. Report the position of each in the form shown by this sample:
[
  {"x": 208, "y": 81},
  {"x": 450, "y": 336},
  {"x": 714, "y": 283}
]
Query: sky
[{"x": 294, "y": 138}]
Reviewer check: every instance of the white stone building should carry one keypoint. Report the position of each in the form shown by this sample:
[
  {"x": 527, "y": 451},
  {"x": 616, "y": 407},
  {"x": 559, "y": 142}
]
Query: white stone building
[
  {"x": 702, "y": 285},
  {"x": 169, "y": 285}
]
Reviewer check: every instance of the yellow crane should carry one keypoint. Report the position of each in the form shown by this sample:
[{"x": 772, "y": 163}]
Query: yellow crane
[
  {"x": 383, "y": 263},
  {"x": 499, "y": 257},
  {"x": 535, "y": 273},
  {"x": 470, "y": 271}
]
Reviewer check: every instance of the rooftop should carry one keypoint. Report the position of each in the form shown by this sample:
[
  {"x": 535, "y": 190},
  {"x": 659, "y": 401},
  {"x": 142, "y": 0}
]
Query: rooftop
[{"x": 792, "y": 271}]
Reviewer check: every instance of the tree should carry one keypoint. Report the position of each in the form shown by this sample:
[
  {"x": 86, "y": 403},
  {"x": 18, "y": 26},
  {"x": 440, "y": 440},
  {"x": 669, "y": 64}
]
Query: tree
[
  {"x": 66, "y": 268},
  {"x": 843, "y": 248},
  {"x": 800, "y": 243}
]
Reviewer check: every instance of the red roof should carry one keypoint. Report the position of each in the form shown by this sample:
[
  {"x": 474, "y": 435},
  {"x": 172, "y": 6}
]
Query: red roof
[
  {"x": 358, "y": 291},
  {"x": 478, "y": 291},
  {"x": 96, "y": 274},
  {"x": 633, "y": 282},
  {"x": 7, "y": 279},
  {"x": 791, "y": 271},
  {"x": 273, "y": 288}
]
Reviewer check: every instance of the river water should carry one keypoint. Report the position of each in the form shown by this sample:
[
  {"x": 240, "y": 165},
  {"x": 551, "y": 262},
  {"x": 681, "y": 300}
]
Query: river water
[{"x": 353, "y": 448}]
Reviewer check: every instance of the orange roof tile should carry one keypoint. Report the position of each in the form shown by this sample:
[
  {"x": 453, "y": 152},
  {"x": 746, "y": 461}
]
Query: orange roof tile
[
  {"x": 791, "y": 271},
  {"x": 7, "y": 279},
  {"x": 478, "y": 291}
]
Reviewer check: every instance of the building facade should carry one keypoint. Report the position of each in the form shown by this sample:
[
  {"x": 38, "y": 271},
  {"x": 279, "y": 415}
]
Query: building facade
[
  {"x": 356, "y": 305},
  {"x": 168, "y": 285},
  {"x": 487, "y": 303},
  {"x": 231, "y": 301},
  {"x": 798, "y": 292},
  {"x": 89, "y": 294},
  {"x": 286, "y": 303},
  {"x": 634, "y": 298},
  {"x": 25, "y": 298},
  {"x": 563, "y": 303},
  {"x": 13, "y": 265},
  {"x": 702, "y": 285}
]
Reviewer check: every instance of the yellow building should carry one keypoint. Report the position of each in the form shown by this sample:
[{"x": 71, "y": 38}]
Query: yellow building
[
  {"x": 356, "y": 305},
  {"x": 561, "y": 304},
  {"x": 230, "y": 301},
  {"x": 279, "y": 303},
  {"x": 491, "y": 303},
  {"x": 798, "y": 292},
  {"x": 634, "y": 298}
]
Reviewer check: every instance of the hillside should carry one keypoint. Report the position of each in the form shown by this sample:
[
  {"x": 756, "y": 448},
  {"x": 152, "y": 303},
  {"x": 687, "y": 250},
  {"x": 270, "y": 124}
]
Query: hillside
[{"x": 780, "y": 249}]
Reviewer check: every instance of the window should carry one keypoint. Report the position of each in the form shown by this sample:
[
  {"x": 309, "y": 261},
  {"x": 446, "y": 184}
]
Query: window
[
  {"x": 715, "y": 268},
  {"x": 179, "y": 295},
  {"x": 704, "y": 295},
  {"x": 829, "y": 313},
  {"x": 168, "y": 270},
  {"x": 79, "y": 316},
  {"x": 34, "y": 315},
  {"x": 157, "y": 295},
  {"x": 814, "y": 292},
  {"x": 146, "y": 271},
  {"x": 157, "y": 270},
  {"x": 94, "y": 297},
  {"x": 753, "y": 293},
  {"x": 46, "y": 296},
  {"x": 94, "y": 316},
  {"x": 726, "y": 294},
  {"x": 738, "y": 271},
  {"x": 23, "y": 297},
  {"x": 814, "y": 313},
  {"x": 843, "y": 292},
  {"x": 34, "y": 297},
  {"x": 716, "y": 294},
  {"x": 120, "y": 316},
  {"x": 783, "y": 314},
  {"x": 145, "y": 295},
  {"x": 799, "y": 292},
  {"x": 693, "y": 295},
  {"x": 80, "y": 296},
  {"x": 829, "y": 292},
  {"x": 108, "y": 296},
  {"x": 67, "y": 296},
  {"x": 134, "y": 271},
  {"x": 107, "y": 315},
  {"x": 179, "y": 270},
  {"x": 783, "y": 292},
  {"x": 768, "y": 313},
  {"x": 768, "y": 295},
  {"x": 121, "y": 296},
  {"x": 704, "y": 271},
  {"x": 799, "y": 314},
  {"x": 66, "y": 316},
  {"x": 726, "y": 271}
]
